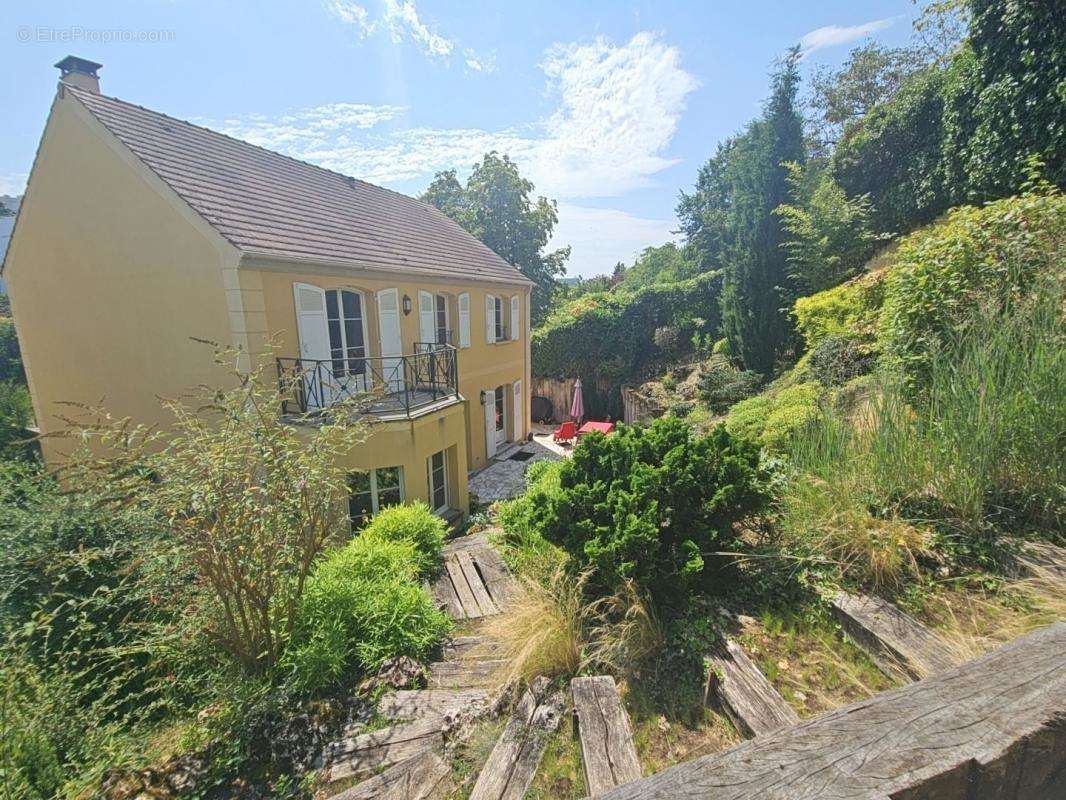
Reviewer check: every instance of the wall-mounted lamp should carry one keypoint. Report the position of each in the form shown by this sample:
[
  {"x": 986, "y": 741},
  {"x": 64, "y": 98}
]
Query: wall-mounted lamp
[
  {"x": 484, "y": 397},
  {"x": 406, "y": 305}
]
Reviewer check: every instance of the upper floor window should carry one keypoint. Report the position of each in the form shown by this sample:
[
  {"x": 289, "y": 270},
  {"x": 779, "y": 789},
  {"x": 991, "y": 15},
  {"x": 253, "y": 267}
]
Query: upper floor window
[
  {"x": 501, "y": 331},
  {"x": 346, "y": 321},
  {"x": 441, "y": 316}
]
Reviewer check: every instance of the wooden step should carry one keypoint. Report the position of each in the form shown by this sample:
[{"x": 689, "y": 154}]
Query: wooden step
[
  {"x": 895, "y": 641},
  {"x": 1038, "y": 559},
  {"x": 989, "y": 728},
  {"x": 474, "y": 582},
  {"x": 355, "y": 756},
  {"x": 607, "y": 751},
  {"x": 510, "y": 768},
  {"x": 744, "y": 693},
  {"x": 459, "y": 647},
  {"x": 420, "y": 777},
  {"x": 417, "y": 703},
  {"x": 464, "y": 674}
]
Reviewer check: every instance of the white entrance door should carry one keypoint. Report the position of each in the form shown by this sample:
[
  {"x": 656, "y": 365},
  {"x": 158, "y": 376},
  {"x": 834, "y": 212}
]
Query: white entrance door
[
  {"x": 391, "y": 344},
  {"x": 490, "y": 424},
  {"x": 501, "y": 416},
  {"x": 314, "y": 342},
  {"x": 516, "y": 410}
]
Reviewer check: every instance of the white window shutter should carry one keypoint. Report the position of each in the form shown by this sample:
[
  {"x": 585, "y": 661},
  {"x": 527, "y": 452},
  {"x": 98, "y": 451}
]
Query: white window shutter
[
  {"x": 514, "y": 319},
  {"x": 519, "y": 419},
  {"x": 490, "y": 319},
  {"x": 427, "y": 328},
  {"x": 464, "y": 319}
]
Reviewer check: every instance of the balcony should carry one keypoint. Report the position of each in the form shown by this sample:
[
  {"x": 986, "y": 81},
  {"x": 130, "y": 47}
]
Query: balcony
[{"x": 387, "y": 387}]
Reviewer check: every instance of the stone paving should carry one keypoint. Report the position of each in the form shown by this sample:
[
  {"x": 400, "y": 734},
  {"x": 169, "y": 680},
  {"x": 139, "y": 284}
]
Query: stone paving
[{"x": 505, "y": 477}]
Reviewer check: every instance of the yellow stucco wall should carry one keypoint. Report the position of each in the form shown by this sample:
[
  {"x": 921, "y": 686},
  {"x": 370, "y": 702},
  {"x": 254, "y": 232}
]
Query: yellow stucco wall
[
  {"x": 111, "y": 274},
  {"x": 109, "y": 278},
  {"x": 481, "y": 366}
]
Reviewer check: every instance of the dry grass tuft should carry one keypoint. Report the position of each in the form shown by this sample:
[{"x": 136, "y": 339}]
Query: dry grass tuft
[
  {"x": 550, "y": 629},
  {"x": 875, "y": 551},
  {"x": 974, "y": 622}
]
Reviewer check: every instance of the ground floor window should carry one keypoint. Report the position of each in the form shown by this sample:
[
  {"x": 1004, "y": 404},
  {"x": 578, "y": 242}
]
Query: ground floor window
[
  {"x": 438, "y": 487},
  {"x": 369, "y": 492}
]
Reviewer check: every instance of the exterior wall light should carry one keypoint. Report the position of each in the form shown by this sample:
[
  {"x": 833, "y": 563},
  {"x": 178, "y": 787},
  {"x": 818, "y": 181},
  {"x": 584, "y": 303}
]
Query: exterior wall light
[{"x": 406, "y": 305}]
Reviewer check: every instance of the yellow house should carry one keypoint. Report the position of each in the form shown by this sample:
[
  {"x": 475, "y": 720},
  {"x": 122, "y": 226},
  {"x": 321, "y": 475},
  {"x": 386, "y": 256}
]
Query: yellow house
[{"x": 139, "y": 232}]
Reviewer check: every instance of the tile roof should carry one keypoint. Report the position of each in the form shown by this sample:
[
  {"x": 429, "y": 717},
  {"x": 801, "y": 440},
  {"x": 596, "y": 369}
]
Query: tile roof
[{"x": 274, "y": 206}]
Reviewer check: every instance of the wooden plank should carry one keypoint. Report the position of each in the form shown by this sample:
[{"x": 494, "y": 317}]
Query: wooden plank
[
  {"x": 462, "y": 589},
  {"x": 466, "y": 646},
  {"x": 444, "y": 594},
  {"x": 464, "y": 674},
  {"x": 607, "y": 750},
  {"x": 1040, "y": 559},
  {"x": 476, "y": 584},
  {"x": 409, "y": 704},
  {"x": 498, "y": 578},
  {"x": 513, "y": 762},
  {"x": 744, "y": 693},
  {"x": 471, "y": 541},
  {"x": 895, "y": 641},
  {"x": 421, "y": 777},
  {"x": 360, "y": 755},
  {"x": 994, "y": 727}
]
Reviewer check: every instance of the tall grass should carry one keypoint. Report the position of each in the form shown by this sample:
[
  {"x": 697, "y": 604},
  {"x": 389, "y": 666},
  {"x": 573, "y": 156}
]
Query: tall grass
[{"x": 980, "y": 452}]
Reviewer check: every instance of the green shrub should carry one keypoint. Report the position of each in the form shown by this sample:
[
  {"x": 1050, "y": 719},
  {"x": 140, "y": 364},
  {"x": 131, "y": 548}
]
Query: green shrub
[
  {"x": 979, "y": 261},
  {"x": 651, "y": 504},
  {"x": 721, "y": 384},
  {"x": 10, "y": 356},
  {"x": 851, "y": 309},
  {"x": 362, "y": 606},
  {"x": 722, "y": 348},
  {"x": 526, "y": 550},
  {"x": 608, "y": 339},
  {"x": 16, "y": 415},
  {"x": 839, "y": 359},
  {"x": 413, "y": 523},
  {"x": 774, "y": 417}
]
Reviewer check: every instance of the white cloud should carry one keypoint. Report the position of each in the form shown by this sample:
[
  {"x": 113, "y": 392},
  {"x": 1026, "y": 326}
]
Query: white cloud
[
  {"x": 833, "y": 35},
  {"x": 617, "y": 109},
  {"x": 351, "y": 14},
  {"x": 13, "y": 183},
  {"x": 601, "y": 237},
  {"x": 400, "y": 20}
]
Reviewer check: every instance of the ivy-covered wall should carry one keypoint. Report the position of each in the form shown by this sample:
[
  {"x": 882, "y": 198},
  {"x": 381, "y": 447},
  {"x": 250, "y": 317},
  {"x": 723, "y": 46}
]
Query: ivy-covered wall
[{"x": 612, "y": 338}]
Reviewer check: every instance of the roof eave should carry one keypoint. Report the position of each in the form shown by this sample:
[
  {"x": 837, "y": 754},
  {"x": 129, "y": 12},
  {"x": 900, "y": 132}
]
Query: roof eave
[{"x": 272, "y": 262}]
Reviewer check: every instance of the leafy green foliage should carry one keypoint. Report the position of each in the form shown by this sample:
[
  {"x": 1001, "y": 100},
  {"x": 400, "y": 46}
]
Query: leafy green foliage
[
  {"x": 415, "y": 524},
  {"x": 496, "y": 206},
  {"x": 10, "y": 356},
  {"x": 893, "y": 156},
  {"x": 651, "y": 504},
  {"x": 830, "y": 236},
  {"x": 730, "y": 222},
  {"x": 983, "y": 260},
  {"x": 16, "y": 415},
  {"x": 852, "y": 310},
  {"x": 362, "y": 606},
  {"x": 1007, "y": 99},
  {"x": 775, "y": 417},
  {"x": 609, "y": 339},
  {"x": 667, "y": 263},
  {"x": 839, "y": 359},
  {"x": 871, "y": 76},
  {"x": 721, "y": 384}
]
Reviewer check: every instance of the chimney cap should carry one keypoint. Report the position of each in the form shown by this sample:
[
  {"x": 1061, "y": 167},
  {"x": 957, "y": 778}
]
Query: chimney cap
[{"x": 75, "y": 64}]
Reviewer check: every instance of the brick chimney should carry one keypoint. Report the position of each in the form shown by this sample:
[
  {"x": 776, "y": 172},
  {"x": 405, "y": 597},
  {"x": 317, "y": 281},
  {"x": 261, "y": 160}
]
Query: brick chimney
[{"x": 79, "y": 72}]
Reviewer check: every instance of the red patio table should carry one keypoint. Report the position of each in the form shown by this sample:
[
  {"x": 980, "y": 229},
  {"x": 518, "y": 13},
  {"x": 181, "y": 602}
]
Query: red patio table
[{"x": 602, "y": 427}]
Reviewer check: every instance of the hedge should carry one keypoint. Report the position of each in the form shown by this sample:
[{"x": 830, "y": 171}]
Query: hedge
[{"x": 609, "y": 339}]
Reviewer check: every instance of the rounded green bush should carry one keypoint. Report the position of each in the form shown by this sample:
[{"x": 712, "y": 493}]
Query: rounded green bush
[
  {"x": 362, "y": 605},
  {"x": 413, "y": 523},
  {"x": 722, "y": 348}
]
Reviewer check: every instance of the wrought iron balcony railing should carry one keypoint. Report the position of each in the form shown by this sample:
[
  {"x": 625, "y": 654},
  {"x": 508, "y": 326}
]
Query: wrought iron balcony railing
[{"x": 383, "y": 385}]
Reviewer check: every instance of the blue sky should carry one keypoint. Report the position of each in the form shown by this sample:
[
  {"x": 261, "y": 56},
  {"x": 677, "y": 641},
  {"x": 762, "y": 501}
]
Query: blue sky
[{"x": 608, "y": 107}]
